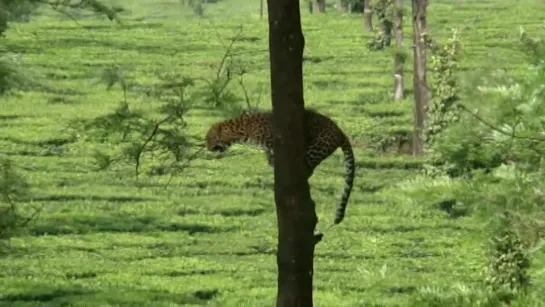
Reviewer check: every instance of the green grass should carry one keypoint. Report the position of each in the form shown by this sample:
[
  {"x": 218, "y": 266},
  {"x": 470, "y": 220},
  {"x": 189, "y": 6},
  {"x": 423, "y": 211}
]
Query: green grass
[{"x": 210, "y": 237}]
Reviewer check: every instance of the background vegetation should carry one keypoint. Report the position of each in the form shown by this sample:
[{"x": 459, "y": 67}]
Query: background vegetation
[{"x": 101, "y": 130}]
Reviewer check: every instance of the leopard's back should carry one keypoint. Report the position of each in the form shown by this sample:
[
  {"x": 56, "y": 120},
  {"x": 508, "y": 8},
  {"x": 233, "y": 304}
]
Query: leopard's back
[
  {"x": 323, "y": 138},
  {"x": 323, "y": 135}
]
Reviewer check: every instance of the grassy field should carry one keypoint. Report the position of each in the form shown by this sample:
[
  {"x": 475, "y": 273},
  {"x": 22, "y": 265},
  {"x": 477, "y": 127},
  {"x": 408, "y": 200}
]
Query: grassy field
[{"x": 105, "y": 238}]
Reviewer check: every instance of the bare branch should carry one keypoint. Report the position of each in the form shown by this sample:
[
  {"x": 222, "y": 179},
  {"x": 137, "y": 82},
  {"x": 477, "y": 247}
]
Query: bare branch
[
  {"x": 56, "y": 8},
  {"x": 150, "y": 137},
  {"x": 491, "y": 126},
  {"x": 228, "y": 51},
  {"x": 241, "y": 83}
]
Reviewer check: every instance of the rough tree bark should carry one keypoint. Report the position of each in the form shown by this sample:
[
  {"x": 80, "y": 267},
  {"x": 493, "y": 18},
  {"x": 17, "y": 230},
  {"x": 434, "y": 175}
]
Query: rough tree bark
[
  {"x": 294, "y": 207},
  {"x": 399, "y": 61},
  {"x": 421, "y": 94},
  {"x": 367, "y": 16}
]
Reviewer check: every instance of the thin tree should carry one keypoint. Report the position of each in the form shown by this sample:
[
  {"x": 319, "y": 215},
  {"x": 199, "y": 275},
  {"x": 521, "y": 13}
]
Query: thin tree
[
  {"x": 384, "y": 11},
  {"x": 367, "y": 16},
  {"x": 399, "y": 60},
  {"x": 342, "y": 6},
  {"x": 295, "y": 208},
  {"x": 421, "y": 94},
  {"x": 318, "y": 6}
]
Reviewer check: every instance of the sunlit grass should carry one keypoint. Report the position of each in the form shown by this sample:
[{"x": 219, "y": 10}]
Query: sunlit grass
[{"x": 105, "y": 238}]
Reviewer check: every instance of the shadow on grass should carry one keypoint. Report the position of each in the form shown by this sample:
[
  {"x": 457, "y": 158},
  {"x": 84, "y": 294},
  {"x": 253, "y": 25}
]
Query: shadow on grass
[
  {"x": 249, "y": 39},
  {"x": 83, "y": 275},
  {"x": 47, "y": 142},
  {"x": 400, "y": 290},
  {"x": 259, "y": 184},
  {"x": 71, "y": 42},
  {"x": 234, "y": 212},
  {"x": 409, "y": 228},
  {"x": 364, "y": 188},
  {"x": 112, "y": 199},
  {"x": 340, "y": 255},
  {"x": 240, "y": 212},
  {"x": 4, "y": 118},
  {"x": 90, "y": 224},
  {"x": 374, "y": 98},
  {"x": 185, "y": 274},
  {"x": 58, "y": 91},
  {"x": 414, "y": 254},
  {"x": 383, "y": 163},
  {"x": 385, "y": 113},
  {"x": 60, "y": 100},
  {"x": 254, "y": 250},
  {"x": 370, "y": 188},
  {"x": 331, "y": 84},
  {"x": 40, "y": 152},
  {"x": 316, "y": 59},
  {"x": 345, "y": 103},
  {"x": 43, "y": 295},
  {"x": 109, "y": 27},
  {"x": 114, "y": 295}
]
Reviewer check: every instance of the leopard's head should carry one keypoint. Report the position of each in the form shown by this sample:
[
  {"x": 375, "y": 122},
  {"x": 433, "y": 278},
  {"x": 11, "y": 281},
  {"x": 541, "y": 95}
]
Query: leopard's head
[{"x": 217, "y": 138}]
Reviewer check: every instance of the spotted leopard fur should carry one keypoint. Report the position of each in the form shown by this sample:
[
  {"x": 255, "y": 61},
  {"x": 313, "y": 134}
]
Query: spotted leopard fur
[{"x": 324, "y": 137}]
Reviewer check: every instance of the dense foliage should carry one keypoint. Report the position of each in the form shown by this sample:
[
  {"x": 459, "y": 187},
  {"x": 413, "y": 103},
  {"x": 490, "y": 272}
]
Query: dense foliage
[{"x": 488, "y": 162}]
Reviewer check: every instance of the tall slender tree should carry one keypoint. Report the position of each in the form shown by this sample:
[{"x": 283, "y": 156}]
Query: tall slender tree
[
  {"x": 318, "y": 6},
  {"x": 295, "y": 208},
  {"x": 421, "y": 92},
  {"x": 342, "y": 6},
  {"x": 399, "y": 60},
  {"x": 367, "y": 16},
  {"x": 384, "y": 9}
]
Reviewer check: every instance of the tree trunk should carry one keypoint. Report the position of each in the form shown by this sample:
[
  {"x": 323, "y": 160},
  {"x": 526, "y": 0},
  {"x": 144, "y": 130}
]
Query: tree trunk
[
  {"x": 367, "y": 16},
  {"x": 310, "y": 6},
  {"x": 421, "y": 94},
  {"x": 388, "y": 26},
  {"x": 294, "y": 207},
  {"x": 341, "y": 6},
  {"x": 318, "y": 6},
  {"x": 399, "y": 61},
  {"x": 261, "y": 9},
  {"x": 385, "y": 21}
]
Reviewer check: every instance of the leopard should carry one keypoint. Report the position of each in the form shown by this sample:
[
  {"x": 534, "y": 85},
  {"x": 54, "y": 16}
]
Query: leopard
[{"x": 323, "y": 136}]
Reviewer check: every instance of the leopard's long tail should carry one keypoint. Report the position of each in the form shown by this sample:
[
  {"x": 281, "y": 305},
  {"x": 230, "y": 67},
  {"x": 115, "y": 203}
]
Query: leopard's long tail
[{"x": 349, "y": 179}]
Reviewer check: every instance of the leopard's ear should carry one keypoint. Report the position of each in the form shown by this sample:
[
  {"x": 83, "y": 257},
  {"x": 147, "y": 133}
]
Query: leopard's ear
[
  {"x": 250, "y": 111},
  {"x": 215, "y": 129}
]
